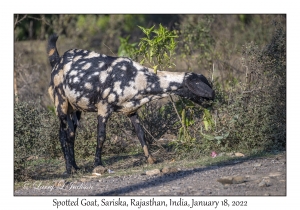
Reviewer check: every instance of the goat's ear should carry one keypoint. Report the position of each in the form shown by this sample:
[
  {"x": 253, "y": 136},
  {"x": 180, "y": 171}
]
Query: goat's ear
[{"x": 199, "y": 85}]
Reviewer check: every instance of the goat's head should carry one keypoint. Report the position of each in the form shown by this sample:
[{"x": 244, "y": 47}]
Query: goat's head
[{"x": 196, "y": 88}]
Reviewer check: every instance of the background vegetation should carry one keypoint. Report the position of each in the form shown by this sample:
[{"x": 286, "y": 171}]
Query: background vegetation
[{"x": 244, "y": 57}]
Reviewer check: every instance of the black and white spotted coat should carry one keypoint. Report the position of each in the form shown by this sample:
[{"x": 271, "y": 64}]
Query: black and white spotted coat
[{"x": 83, "y": 80}]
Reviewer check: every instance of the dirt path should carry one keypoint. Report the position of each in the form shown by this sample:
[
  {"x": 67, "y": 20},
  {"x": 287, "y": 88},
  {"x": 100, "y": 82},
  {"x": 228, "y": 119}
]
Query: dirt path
[{"x": 259, "y": 176}]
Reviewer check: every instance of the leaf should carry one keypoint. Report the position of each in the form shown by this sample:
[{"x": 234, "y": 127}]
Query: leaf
[
  {"x": 219, "y": 138},
  {"x": 206, "y": 124},
  {"x": 189, "y": 103},
  {"x": 226, "y": 135},
  {"x": 208, "y": 137},
  {"x": 147, "y": 31},
  {"x": 189, "y": 121},
  {"x": 181, "y": 133},
  {"x": 162, "y": 109},
  {"x": 155, "y": 69},
  {"x": 166, "y": 56}
]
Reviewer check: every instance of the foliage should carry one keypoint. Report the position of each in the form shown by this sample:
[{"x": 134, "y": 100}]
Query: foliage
[
  {"x": 253, "y": 115},
  {"x": 127, "y": 49},
  {"x": 34, "y": 132},
  {"x": 185, "y": 110},
  {"x": 156, "y": 48},
  {"x": 197, "y": 43}
]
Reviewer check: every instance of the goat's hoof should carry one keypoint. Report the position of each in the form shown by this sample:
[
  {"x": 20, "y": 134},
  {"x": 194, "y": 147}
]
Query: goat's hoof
[
  {"x": 151, "y": 160},
  {"x": 76, "y": 168},
  {"x": 97, "y": 164},
  {"x": 71, "y": 171},
  {"x": 66, "y": 174}
]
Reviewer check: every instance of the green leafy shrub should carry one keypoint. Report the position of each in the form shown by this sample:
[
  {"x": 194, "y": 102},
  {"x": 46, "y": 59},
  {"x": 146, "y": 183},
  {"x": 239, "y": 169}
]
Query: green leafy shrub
[
  {"x": 156, "y": 49},
  {"x": 253, "y": 114}
]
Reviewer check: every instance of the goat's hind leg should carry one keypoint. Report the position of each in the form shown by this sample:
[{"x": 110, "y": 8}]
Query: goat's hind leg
[
  {"x": 141, "y": 136},
  {"x": 73, "y": 122},
  {"x": 63, "y": 138}
]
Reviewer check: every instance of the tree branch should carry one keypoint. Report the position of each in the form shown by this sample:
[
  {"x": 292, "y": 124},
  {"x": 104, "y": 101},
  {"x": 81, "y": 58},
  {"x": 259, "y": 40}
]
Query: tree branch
[{"x": 17, "y": 21}]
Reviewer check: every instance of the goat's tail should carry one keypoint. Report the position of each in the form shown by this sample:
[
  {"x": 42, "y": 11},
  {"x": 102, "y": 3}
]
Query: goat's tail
[{"x": 52, "y": 51}]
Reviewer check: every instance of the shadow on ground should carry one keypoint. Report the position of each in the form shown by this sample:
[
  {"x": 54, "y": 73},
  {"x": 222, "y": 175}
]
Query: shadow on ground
[{"x": 166, "y": 178}]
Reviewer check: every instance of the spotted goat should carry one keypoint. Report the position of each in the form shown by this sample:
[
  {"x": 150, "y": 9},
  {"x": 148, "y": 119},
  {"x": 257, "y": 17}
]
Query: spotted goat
[{"x": 86, "y": 81}]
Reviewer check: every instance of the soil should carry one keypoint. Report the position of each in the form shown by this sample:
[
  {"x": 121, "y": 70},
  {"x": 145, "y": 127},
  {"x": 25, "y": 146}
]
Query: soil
[{"x": 244, "y": 176}]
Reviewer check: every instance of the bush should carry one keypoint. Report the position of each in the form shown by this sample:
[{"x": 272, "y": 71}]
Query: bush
[
  {"x": 252, "y": 114},
  {"x": 35, "y": 131}
]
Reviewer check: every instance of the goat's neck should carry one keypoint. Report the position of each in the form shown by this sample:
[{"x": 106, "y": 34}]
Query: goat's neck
[{"x": 167, "y": 82}]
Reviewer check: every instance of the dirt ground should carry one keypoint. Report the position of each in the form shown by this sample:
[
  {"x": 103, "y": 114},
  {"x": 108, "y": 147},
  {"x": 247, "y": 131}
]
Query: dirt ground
[{"x": 256, "y": 176}]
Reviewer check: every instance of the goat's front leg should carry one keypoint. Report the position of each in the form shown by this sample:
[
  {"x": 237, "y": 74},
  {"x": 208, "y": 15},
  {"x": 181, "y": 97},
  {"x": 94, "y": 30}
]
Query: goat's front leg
[
  {"x": 101, "y": 135},
  {"x": 141, "y": 136}
]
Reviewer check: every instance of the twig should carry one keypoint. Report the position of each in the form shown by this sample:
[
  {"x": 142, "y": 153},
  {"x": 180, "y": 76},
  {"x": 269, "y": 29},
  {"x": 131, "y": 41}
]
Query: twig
[
  {"x": 212, "y": 75},
  {"x": 18, "y": 21},
  {"x": 175, "y": 108},
  {"x": 15, "y": 88},
  {"x": 246, "y": 75},
  {"x": 154, "y": 139},
  {"x": 249, "y": 91},
  {"x": 181, "y": 119},
  {"x": 109, "y": 49},
  {"x": 231, "y": 66},
  {"x": 40, "y": 19}
]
